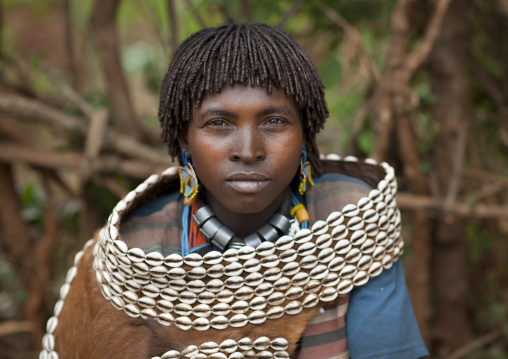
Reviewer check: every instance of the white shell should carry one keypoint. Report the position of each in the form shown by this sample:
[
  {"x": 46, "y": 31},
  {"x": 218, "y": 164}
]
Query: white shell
[
  {"x": 334, "y": 219},
  {"x": 215, "y": 271},
  {"x": 254, "y": 279},
  {"x": 270, "y": 261},
  {"x": 221, "y": 309},
  {"x": 282, "y": 283},
  {"x": 276, "y": 298},
  {"x": 284, "y": 243},
  {"x": 275, "y": 312},
  {"x": 257, "y": 303},
  {"x": 306, "y": 249},
  {"x": 345, "y": 286},
  {"x": 272, "y": 274},
  {"x": 328, "y": 294},
  {"x": 355, "y": 223},
  {"x": 288, "y": 255},
  {"x": 51, "y": 324},
  {"x": 171, "y": 354},
  {"x": 348, "y": 271},
  {"x": 340, "y": 232},
  {"x": 238, "y": 320},
  {"x": 324, "y": 241},
  {"x": 320, "y": 227},
  {"x": 136, "y": 255},
  {"x": 326, "y": 255},
  {"x": 312, "y": 287},
  {"x": 201, "y": 324},
  {"x": 212, "y": 257},
  {"x": 231, "y": 255},
  {"x": 188, "y": 297},
  {"x": 300, "y": 279},
  {"x": 257, "y": 317},
  {"x": 303, "y": 236},
  {"x": 319, "y": 272},
  {"x": 173, "y": 260},
  {"x": 193, "y": 259},
  {"x": 215, "y": 285},
  {"x": 228, "y": 346},
  {"x": 184, "y": 323},
  {"x": 245, "y": 344},
  {"x": 293, "y": 307},
  {"x": 170, "y": 171},
  {"x": 365, "y": 203},
  {"x": 308, "y": 262},
  {"x": 350, "y": 210},
  {"x": 252, "y": 265},
  {"x": 165, "y": 319},
  {"x": 233, "y": 269},
  {"x": 225, "y": 296},
  {"x": 244, "y": 293},
  {"x": 234, "y": 282},
  {"x": 154, "y": 259},
  {"x": 196, "y": 286},
  {"x": 209, "y": 348},
  {"x": 264, "y": 289},
  {"x": 246, "y": 252},
  {"x": 141, "y": 188},
  {"x": 266, "y": 248},
  {"x": 219, "y": 322}
]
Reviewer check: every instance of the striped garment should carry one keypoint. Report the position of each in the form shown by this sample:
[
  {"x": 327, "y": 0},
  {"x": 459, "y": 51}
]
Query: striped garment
[{"x": 157, "y": 226}]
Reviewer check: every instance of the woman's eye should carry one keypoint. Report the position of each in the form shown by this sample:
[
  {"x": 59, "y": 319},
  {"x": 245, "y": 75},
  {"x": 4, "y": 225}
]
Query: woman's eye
[
  {"x": 217, "y": 123},
  {"x": 275, "y": 121}
]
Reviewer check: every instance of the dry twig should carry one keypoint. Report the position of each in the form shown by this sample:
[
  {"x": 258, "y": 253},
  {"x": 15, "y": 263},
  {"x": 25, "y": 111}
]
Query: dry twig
[
  {"x": 432, "y": 205},
  {"x": 476, "y": 344},
  {"x": 12, "y": 327},
  {"x": 291, "y": 10}
]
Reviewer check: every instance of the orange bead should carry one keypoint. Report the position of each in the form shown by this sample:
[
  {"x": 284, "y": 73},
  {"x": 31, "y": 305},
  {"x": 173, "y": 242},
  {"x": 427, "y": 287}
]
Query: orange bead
[{"x": 302, "y": 215}]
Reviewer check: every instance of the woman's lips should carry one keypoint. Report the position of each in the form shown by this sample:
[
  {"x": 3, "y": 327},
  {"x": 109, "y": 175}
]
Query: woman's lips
[
  {"x": 247, "y": 182},
  {"x": 247, "y": 186}
]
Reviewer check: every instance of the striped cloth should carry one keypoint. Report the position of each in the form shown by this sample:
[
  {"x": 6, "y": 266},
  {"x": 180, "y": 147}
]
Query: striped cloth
[
  {"x": 325, "y": 335},
  {"x": 157, "y": 226}
]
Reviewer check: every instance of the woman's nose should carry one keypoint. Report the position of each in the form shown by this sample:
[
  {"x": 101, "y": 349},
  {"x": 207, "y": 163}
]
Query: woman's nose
[{"x": 248, "y": 147}]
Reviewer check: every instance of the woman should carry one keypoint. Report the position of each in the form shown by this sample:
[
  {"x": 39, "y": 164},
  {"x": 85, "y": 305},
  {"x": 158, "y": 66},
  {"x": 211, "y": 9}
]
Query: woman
[{"x": 240, "y": 252}]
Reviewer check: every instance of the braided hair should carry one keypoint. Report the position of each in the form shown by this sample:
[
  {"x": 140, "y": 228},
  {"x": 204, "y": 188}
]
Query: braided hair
[{"x": 253, "y": 54}]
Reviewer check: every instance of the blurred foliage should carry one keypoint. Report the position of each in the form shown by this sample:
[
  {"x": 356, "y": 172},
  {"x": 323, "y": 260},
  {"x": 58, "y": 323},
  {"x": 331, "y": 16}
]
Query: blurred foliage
[{"x": 145, "y": 34}]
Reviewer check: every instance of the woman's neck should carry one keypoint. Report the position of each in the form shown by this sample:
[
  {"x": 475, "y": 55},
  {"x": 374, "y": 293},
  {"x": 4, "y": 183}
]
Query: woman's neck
[{"x": 244, "y": 224}]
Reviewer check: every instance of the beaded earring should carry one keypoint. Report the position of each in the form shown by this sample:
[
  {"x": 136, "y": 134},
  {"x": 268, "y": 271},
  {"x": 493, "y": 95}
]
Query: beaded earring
[
  {"x": 305, "y": 173},
  {"x": 188, "y": 180}
]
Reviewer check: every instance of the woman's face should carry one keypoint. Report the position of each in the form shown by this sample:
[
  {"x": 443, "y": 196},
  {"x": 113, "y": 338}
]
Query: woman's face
[{"x": 245, "y": 146}]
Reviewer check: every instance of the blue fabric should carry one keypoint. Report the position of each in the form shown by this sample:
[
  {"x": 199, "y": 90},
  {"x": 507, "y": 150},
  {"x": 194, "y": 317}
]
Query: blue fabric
[
  {"x": 380, "y": 320},
  {"x": 338, "y": 177}
]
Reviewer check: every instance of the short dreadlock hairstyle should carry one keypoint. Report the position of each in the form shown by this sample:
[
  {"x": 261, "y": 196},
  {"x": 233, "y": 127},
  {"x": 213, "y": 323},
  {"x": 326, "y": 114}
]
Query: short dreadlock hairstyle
[{"x": 255, "y": 55}]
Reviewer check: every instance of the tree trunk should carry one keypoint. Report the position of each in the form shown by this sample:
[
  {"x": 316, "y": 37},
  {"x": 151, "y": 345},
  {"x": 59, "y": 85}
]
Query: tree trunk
[
  {"x": 450, "y": 81},
  {"x": 106, "y": 40}
]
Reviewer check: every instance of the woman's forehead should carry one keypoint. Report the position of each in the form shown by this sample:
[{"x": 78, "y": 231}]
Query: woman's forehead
[{"x": 246, "y": 95}]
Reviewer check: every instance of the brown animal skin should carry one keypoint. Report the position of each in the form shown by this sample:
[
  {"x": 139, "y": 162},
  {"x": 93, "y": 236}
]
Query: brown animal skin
[{"x": 89, "y": 327}]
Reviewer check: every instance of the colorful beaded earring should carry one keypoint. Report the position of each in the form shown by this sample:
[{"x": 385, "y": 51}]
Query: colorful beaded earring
[
  {"x": 188, "y": 180},
  {"x": 305, "y": 173}
]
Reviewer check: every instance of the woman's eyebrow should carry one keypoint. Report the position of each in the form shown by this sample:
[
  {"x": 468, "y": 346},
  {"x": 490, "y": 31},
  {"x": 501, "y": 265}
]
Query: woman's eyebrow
[
  {"x": 217, "y": 112},
  {"x": 276, "y": 109}
]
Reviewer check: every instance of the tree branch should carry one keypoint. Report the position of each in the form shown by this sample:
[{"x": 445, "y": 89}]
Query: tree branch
[
  {"x": 106, "y": 40},
  {"x": 36, "y": 110},
  {"x": 415, "y": 59},
  {"x": 292, "y": 9},
  {"x": 106, "y": 165},
  {"x": 437, "y": 206}
]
